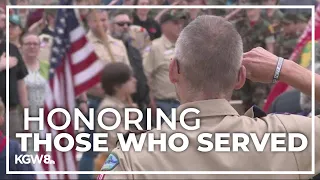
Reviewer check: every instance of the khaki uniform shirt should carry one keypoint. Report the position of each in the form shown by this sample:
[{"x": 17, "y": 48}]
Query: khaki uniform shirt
[
  {"x": 156, "y": 67},
  {"x": 140, "y": 38},
  {"x": 117, "y": 47},
  {"x": 109, "y": 120},
  {"x": 218, "y": 116}
]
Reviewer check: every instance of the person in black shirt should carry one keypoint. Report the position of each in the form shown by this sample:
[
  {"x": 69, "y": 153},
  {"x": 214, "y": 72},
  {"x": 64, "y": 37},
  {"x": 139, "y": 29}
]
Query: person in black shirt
[
  {"x": 119, "y": 29},
  {"x": 140, "y": 18},
  {"x": 17, "y": 88}
]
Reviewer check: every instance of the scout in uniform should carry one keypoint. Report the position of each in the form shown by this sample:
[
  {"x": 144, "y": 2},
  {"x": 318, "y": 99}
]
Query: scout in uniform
[
  {"x": 118, "y": 83},
  {"x": 287, "y": 40},
  {"x": 198, "y": 71},
  {"x": 118, "y": 52},
  {"x": 158, "y": 57},
  {"x": 117, "y": 47},
  {"x": 273, "y": 16},
  {"x": 255, "y": 32}
]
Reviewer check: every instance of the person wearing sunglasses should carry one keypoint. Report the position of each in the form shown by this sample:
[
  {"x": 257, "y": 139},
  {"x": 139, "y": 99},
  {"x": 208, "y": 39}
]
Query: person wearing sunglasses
[{"x": 121, "y": 29}]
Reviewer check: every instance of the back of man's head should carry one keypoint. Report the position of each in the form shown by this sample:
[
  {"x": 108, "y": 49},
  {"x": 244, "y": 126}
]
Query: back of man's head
[{"x": 209, "y": 51}]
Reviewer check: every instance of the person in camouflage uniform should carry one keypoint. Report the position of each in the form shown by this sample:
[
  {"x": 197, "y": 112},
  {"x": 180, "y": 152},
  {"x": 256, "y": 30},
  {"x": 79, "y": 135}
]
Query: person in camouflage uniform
[
  {"x": 302, "y": 22},
  {"x": 287, "y": 40},
  {"x": 255, "y": 32},
  {"x": 273, "y": 16}
]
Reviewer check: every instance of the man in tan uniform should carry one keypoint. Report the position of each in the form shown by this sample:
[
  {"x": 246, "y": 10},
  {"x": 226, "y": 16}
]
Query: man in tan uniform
[
  {"x": 158, "y": 58},
  {"x": 118, "y": 50},
  {"x": 208, "y": 65},
  {"x": 117, "y": 47}
]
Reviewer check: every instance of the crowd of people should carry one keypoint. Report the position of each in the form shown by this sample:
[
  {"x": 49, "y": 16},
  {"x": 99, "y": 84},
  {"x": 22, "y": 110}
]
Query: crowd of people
[{"x": 137, "y": 46}]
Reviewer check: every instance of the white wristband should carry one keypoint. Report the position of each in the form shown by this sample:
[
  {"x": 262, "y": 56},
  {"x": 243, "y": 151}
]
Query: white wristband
[{"x": 278, "y": 69}]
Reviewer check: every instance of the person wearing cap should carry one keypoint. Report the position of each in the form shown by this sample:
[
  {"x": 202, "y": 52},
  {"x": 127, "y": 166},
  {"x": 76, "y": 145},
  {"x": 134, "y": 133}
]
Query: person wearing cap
[
  {"x": 23, "y": 13},
  {"x": 157, "y": 60},
  {"x": 205, "y": 74},
  {"x": 255, "y": 31},
  {"x": 15, "y": 30},
  {"x": 287, "y": 40}
]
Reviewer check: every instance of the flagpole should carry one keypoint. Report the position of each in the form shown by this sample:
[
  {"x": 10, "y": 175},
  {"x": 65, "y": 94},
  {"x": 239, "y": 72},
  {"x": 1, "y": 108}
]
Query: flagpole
[
  {"x": 101, "y": 157},
  {"x": 102, "y": 33},
  {"x": 105, "y": 40}
]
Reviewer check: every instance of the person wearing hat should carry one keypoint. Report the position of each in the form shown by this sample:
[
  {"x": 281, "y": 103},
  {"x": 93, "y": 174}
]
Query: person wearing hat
[
  {"x": 15, "y": 30},
  {"x": 287, "y": 39},
  {"x": 157, "y": 60}
]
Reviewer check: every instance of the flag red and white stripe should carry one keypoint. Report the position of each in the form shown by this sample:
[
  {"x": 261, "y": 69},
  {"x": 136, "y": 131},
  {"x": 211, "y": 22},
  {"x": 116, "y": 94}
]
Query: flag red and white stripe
[
  {"x": 74, "y": 69},
  {"x": 306, "y": 36}
]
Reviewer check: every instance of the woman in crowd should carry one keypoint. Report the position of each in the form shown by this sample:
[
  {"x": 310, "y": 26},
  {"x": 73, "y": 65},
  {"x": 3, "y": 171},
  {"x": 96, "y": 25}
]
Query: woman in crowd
[
  {"x": 141, "y": 18},
  {"x": 118, "y": 84},
  {"x": 37, "y": 76}
]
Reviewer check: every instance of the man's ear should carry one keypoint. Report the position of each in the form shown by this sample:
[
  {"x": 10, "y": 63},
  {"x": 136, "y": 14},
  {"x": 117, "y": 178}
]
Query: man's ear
[
  {"x": 241, "y": 78},
  {"x": 173, "y": 71}
]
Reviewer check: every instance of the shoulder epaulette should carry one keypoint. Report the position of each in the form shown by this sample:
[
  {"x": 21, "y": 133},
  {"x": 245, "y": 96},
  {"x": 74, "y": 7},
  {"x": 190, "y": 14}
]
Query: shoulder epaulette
[{"x": 258, "y": 113}]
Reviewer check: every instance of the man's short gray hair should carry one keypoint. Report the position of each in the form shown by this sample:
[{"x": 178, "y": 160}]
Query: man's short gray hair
[{"x": 209, "y": 51}]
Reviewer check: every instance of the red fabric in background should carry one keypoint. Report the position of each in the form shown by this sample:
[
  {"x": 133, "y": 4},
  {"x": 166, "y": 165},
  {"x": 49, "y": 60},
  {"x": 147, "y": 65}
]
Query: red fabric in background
[
  {"x": 306, "y": 36},
  {"x": 34, "y": 16}
]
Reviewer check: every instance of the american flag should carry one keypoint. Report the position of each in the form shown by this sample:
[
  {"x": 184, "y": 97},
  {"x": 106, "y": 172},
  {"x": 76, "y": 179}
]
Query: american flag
[
  {"x": 74, "y": 68},
  {"x": 306, "y": 37}
]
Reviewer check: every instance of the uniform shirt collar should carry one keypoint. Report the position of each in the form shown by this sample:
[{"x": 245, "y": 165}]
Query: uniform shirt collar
[
  {"x": 207, "y": 108},
  {"x": 94, "y": 38},
  {"x": 168, "y": 44}
]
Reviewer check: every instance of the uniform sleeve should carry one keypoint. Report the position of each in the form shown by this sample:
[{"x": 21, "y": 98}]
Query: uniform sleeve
[
  {"x": 116, "y": 162},
  {"x": 302, "y": 124},
  {"x": 149, "y": 63}
]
